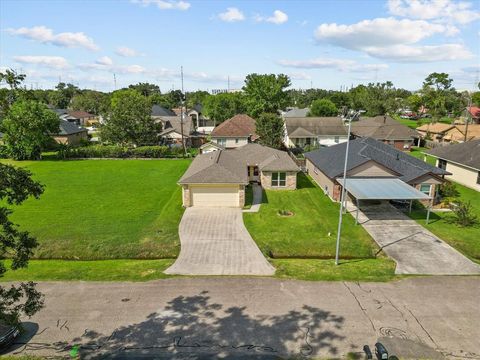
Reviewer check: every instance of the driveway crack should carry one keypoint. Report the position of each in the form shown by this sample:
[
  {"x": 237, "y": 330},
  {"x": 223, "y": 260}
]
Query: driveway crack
[{"x": 360, "y": 306}]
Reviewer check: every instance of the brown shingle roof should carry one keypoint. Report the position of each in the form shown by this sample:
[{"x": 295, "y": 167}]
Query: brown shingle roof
[
  {"x": 314, "y": 126},
  {"x": 80, "y": 114},
  {"x": 230, "y": 166},
  {"x": 382, "y": 128},
  {"x": 436, "y": 128},
  {"x": 241, "y": 125}
]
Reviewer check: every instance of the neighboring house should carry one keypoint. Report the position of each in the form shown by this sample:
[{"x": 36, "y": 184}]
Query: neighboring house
[
  {"x": 78, "y": 117},
  {"x": 158, "y": 110},
  {"x": 219, "y": 178},
  {"x": 235, "y": 132},
  {"x": 295, "y": 112},
  {"x": 314, "y": 131},
  {"x": 209, "y": 147},
  {"x": 474, "y": 113},
  {"x": 202, "y": 124},
  {"x": 172, "y": 131},
  {"x": 385, "y": 129},
  {"x": 370, "y": 159},
  {"x": 462, "y": 161},
  {"x": 70, "y": 134},
  {"x": 436, "y": 132},
  {"x": 457, "y": 134}
]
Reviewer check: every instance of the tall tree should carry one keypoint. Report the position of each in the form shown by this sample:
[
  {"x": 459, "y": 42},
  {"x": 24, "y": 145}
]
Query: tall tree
[
  {"x": 266, "y": 93},
  {"x": 223, "y": 106},
  {"x": 323, "y": 107},
  {"x": 63, "y": 95},
  {"x": 196, "y": 97},
  {"x": 269, "y": 128},
  {"x": 27, "y": 127},
  {"x": 436, "y": 89},
  {"x": 8, "y": 96},
  {"x": 94, "y": 102},
  {"x": 129, "y": 120},
  {"x": 146, "y": 89},
  {"x": 16, "y": 185}
]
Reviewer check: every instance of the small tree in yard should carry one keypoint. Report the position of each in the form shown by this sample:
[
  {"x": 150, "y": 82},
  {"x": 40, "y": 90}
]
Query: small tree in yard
[
  {"x": 323, "y": 107},
  {"x": 27, "y": 127},
  {"x": 464, "y": 215},
  {"x": 16, "y": 185},
  {"x": 269, "y": 128}
]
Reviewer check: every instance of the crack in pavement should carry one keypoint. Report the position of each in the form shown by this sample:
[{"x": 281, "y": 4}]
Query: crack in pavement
[
  {"x": 425, "y": 330},
  {"x": 360, "y": 306}
]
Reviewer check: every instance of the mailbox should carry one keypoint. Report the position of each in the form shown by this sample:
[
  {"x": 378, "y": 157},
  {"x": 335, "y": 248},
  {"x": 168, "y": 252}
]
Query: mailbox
[{"x": 381, "y": 352}]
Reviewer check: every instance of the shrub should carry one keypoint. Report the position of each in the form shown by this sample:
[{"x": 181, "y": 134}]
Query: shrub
[
  {"x": 120, "y": 152},
  {"x": 3, "y": 152},
  {"x": 464, "y": 215},
  {"x": 150, "y": 151},
  {"x": 449, "y": 190}
]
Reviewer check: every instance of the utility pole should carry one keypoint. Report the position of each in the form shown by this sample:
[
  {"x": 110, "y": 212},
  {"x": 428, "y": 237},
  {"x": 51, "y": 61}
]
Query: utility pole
[
  {"x": 114, "y": 81},
  {"x": 182, "y": 115},
  {"x": 467, "y": 120},
  {"x": 228, "y": 83},
  {"x": 350, "y": 117}
]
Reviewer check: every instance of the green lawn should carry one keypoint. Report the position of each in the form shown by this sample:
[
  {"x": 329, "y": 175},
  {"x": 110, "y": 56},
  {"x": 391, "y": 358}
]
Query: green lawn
[
  {"x": 305, "y": 234},
  {"x": 465, "y": 239},
  {"x": 413, "y": 124},
  {"x": 104, "y": 209},
  {"x": 417, "y": 152},
  {"x": 100, "y": 270}
]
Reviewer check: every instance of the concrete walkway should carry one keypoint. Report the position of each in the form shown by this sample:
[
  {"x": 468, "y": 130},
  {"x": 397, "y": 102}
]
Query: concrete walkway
[
  {"x": 255, "y": 318},
  {"x": 415, "y": 249},
  {"x": 257, "y": 198},
  {"x": 214, "y": 241}
]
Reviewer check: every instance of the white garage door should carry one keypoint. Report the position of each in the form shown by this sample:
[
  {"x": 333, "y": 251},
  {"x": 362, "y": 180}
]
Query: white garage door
[{"x": 215, "y": 196}]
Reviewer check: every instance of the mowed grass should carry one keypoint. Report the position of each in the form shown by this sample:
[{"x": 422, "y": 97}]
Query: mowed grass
[
  {"x": 104, "y": 209},
  {"x": 99, "y": 270},
  {"x": 417, "y": 152},
  {"x": 464, "y": 239},
  {"x": 306, "y": 233}
]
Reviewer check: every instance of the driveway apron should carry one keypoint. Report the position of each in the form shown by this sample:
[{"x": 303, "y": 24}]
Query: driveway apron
[{"x": 214, "y": 241}]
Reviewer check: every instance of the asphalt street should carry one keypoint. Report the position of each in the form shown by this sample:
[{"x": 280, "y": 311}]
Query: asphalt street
[{"x": 255, "y": 318}]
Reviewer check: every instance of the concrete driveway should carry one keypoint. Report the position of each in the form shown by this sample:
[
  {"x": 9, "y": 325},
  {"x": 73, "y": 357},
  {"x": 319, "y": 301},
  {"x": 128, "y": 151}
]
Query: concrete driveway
[
  {"x": 415, "y": 249},
  {"x": 214, "y": 241},
  {"x": 253, "y": 318}
]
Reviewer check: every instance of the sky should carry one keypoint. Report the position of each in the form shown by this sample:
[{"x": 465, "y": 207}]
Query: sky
[{"x": 109, "y": 44}]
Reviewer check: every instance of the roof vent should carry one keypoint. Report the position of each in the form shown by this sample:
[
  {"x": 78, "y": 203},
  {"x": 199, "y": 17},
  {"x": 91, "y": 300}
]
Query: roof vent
[
  {"x": 398, "y": 156},
  {"x": 384, "y": 119}
]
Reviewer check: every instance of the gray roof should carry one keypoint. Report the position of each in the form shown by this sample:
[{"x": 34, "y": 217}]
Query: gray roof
[
  {"x": 68, "y": 128},
  {"x": 382, "y": 127},
  {"x": 173, "y": 123},
  {"x": 467, "y": 153},
  {"x": 295, "y": 112},
  {"x": 158, "y": 110},
  {"x": 314, "y": 126},
  {"x": 331, "y": 160},
  {"x": 230, "y": 166}
]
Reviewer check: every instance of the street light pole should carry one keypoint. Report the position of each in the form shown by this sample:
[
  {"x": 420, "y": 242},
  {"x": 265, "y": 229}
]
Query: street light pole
[{"x": 344, "y": 185}]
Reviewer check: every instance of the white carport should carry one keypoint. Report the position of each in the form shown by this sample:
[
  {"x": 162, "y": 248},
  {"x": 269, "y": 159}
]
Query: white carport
[{"x": 382, "y": 189}]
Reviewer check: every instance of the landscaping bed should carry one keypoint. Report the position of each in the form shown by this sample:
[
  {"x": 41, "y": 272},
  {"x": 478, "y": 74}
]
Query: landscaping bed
[
  {"x": 105, "y": 209},
  {"x": 311, "y": 231}
]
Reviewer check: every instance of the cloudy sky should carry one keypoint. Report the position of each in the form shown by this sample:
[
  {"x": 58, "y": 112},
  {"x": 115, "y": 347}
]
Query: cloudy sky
[{"x": 327, "y": 44}]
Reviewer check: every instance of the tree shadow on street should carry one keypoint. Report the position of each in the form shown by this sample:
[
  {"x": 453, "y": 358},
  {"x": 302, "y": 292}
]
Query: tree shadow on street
[{"x": 195, "y": 327}]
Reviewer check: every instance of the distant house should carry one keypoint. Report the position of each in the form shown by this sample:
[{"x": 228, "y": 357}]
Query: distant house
[
  {"x": 385, "y": 129},
  {"x": 78, "y": 117},
  {"x": 202, "y": 123},
  {"x": 474, "y": 113},
  {"x": 70, "y": 134},
  {"x": 158, "y": 110},
  {"x": 172, "y": 131},
  {"x": 235, "y": 132},
  {"x": 457, "y": 134},
  {"x": 314, "y": 131},
  {"x": 374, "y": 160},
  {"x": 462, "y": 161},
  {"x": 436, "y": 131},
  {"x": 219, "y": 178},
  {"x": 209, "y": 147}
]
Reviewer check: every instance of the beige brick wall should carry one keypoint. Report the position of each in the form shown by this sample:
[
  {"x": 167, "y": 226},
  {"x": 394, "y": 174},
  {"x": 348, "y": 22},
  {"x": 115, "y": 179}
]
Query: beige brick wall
[
  {"x": 186, "y": 196},
  {"x": 291, "y": 181},
  {"x": 321, "y": 179}
]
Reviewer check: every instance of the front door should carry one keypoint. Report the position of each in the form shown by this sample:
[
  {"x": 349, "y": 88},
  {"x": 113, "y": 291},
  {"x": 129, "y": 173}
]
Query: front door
[{"x": 253, "y": 173}]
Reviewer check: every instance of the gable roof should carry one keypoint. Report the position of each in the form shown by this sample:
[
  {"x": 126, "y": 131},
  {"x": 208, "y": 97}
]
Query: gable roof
[
  {"x": 314, "y": 126},
  {"x": 241, "y": 125},
  {"x": 80, "y": 114},
  {"x": 467, "y": 153},
  {"x": 174, "y": 124},
  {"x": 436, "y": 128},
  {"x": 474, "y": 111},
  {"x": 331, "y": 160},
  {"x": 382, "y": 127},
  {"x": 212, "y": 144},
  {"x": 230, "y": 166},
  {"x": 68, "y": 128},
  {"x": 158, "y": 110}
]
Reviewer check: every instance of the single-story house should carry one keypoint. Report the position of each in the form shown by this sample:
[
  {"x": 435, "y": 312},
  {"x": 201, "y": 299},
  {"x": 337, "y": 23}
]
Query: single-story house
[
  {"x": 77, "y": 117},
  {"x": 219, "y": 178},
  {"x": 474, "y": 113},
  {"x": 70, "y": 134},
  {"x": 462, "y": 161},
  {"x": 385, "y": 129},
  {"x": 172, "y": 131},
  {"x": 235, "y": 132},
  {"x": 315, "y": 131},
  {"x": 370, "y": 159},
  {"x": 436, "y": 132}
]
